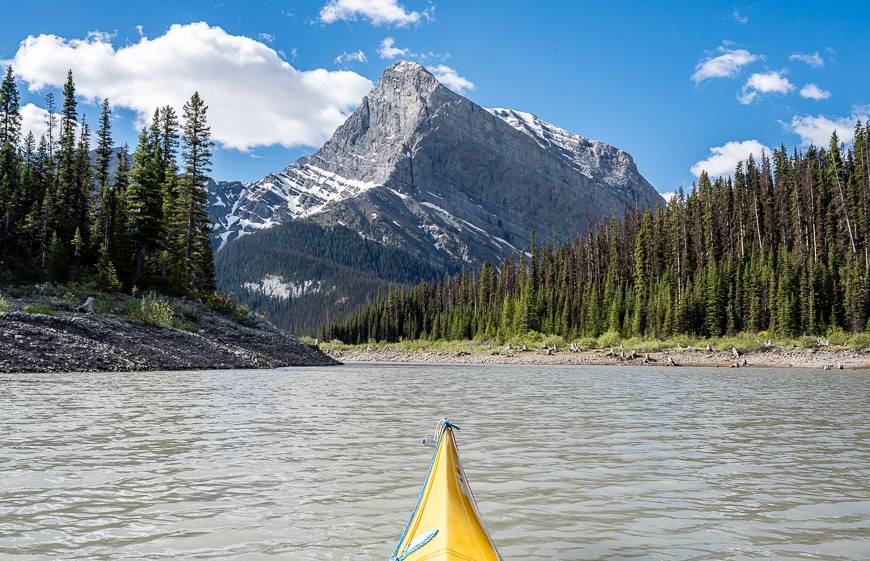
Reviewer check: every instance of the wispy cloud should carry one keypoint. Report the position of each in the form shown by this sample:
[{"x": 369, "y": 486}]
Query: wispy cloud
[
  {"x": 764, "y": 83},
  {"x": 267, "y": 37},
  {"x": 727, "y": 64},
  {"x": 814, "y": 60},
  {"x": 388, "y": 49},
  {"x": 817, "y": 129},
  {"x": 723, "y": 159},
  {"x": 812, "y": 91},
  {"x": 739, "y": 18},
  {"x": 357, "y": 56},
  {"x": 378, "y": 12},
  {"x": 450, "y": 78}
]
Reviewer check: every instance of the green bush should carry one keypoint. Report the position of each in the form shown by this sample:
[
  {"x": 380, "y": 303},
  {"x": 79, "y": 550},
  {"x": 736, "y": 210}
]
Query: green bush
[
  {"x": 587, "y": 343},
  {"x": 190, "y": 312},
  {"x": 39, "y": 308},
  {"x": 151, "y": 310},
  {"x": 836, "y": 336},
  {"x": 609, "y": 339},
  {"x": 5, "y": 307},
  {"x": 556, "y": 340},
  {"x": 859, "y": 341},
  {"x": 104, "y": 305},
  {"x": 243, "y": 316},
  {"x": 222, "y": 303},
  {"x": 807, "y": 342}
]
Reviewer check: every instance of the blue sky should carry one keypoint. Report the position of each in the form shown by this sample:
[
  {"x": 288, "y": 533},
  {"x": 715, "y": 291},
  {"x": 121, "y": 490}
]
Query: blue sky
[{"x": 673, "y": 84}]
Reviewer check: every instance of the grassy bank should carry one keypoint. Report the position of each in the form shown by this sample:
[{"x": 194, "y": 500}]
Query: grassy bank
[{"x": 151, "y": 308}]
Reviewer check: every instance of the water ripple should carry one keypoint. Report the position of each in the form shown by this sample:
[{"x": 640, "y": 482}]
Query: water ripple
[{"x": 567, "y": 463}]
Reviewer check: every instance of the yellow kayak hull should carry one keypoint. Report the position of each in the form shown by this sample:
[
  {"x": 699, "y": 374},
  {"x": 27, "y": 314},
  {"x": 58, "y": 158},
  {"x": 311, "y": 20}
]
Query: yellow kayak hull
[{"x": 446, "y": 524}]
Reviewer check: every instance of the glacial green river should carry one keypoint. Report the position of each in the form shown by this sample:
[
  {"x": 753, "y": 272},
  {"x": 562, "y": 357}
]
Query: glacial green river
[{"x": 566, "y": 463}]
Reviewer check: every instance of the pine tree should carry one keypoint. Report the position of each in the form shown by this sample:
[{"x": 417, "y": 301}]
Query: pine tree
[
  {"x": 10, "y": 114},
  {"x": 143, "y": 207},
  {"x": 10, "y": 130},
  {"x": 66, "y": 190},
  {"x": 193, "y": 198},
  {"x": 121, "y": 248},
  {"x": 108, "y": 204}
]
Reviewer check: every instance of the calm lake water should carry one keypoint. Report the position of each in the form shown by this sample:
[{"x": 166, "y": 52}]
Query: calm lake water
[{"x": 567, "y": 463}]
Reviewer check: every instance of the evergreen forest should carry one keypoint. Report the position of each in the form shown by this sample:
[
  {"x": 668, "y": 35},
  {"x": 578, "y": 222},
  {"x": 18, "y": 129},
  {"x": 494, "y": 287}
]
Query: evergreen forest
[
  {"x": 121, "y": 222},
  {"x": 782, "y": 246}
]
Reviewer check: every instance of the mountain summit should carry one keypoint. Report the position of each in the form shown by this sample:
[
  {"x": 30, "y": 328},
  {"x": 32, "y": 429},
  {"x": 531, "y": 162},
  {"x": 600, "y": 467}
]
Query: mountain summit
[
  {"x": 418, "y": 166},
  {"x": 421, "y": 169}
]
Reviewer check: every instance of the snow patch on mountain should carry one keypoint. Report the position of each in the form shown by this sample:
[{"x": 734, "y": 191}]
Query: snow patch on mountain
[
  {"x": 300, "y": 191},
  {"x": 594, "y": 159},
  {"x": 275, "y": 286}
]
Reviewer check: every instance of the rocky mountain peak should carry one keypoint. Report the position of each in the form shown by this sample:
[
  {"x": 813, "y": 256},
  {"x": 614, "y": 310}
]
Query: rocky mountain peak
[
  {"x": 422, "y": 168},
  {"x": 432, "y": 179}
]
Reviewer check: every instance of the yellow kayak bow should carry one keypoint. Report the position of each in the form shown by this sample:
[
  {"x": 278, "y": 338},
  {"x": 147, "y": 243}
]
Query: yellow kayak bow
[{"x": 445, "y": 524}]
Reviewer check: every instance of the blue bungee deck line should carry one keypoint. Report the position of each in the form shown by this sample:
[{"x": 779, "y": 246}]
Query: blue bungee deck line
[{"x": 444, "y": 424}]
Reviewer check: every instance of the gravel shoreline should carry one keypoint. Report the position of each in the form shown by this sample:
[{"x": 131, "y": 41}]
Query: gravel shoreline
[
  {"x": 830, "y": 359},
  {"x": 71, "y": 341}
]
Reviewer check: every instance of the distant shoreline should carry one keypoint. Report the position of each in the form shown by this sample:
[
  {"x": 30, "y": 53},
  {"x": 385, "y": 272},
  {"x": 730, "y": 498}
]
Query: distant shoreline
[{"x": 831, "y": 359}]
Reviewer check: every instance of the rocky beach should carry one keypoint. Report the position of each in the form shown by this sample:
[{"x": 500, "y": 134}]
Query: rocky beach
[
  {"x": 49, "y": 334},
  {"x": 775, "y": 357}
]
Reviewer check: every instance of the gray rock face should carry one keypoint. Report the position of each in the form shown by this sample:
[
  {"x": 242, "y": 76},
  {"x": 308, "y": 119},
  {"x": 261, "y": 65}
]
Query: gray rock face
[
  {"x": 223, "y": 196},
  {"x": 421, "y": 168}
]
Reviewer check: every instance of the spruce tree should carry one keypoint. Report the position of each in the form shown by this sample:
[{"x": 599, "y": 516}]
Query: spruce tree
[
  {"x": 10, "y": 114},
  {"x": 144, "y": 207},
  {"x": 66, "y": 189},
  {"x": 107, "y": 203},
  {"x": 10, "y": 130},
  {"x": 196, "y": 154}
]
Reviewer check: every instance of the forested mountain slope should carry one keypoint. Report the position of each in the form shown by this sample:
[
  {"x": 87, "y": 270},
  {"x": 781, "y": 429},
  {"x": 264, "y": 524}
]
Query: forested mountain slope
[
  {"x": 305, "y": 274},
  {"x": 783, "y": 246}
]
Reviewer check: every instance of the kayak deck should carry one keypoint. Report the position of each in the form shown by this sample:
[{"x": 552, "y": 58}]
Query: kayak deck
[{"x": 446, "y": 524}]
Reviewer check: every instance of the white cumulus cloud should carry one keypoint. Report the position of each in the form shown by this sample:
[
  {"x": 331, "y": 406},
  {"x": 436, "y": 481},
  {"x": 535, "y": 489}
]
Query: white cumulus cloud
[
  {"x": 725, "y": 65},
  {"x": 35, "y": 119},
  {"x": 814, "y": 60},
  {"x": 812, "y": 91},
  {"x": 357, "y": 56},
  {"x": 376, "y": 11},
  {"x": 255, "y": 98},
  {"x": 817, "y": 129},
  {"x": 450, "y": 78},
  {"x": 763, "y": 83},
  {"x": 389, "y": 50},
  {"x": 723, "y": 159}
]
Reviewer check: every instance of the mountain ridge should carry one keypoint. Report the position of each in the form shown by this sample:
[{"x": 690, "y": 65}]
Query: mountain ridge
[{"x": 425, "y": 171}]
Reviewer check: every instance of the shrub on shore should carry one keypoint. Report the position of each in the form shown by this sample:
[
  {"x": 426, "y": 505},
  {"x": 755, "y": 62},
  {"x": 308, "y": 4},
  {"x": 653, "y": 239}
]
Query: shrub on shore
[
  {"x": 5, "y": 307},
  {"x": 39, "y": 308},
  {"x": 151, "y": 310}
]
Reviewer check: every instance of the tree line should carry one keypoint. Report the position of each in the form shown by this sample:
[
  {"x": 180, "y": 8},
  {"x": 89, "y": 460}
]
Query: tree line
[
  {"x": 782, "y": 246},
  {"x": 69, "y": 213}
]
